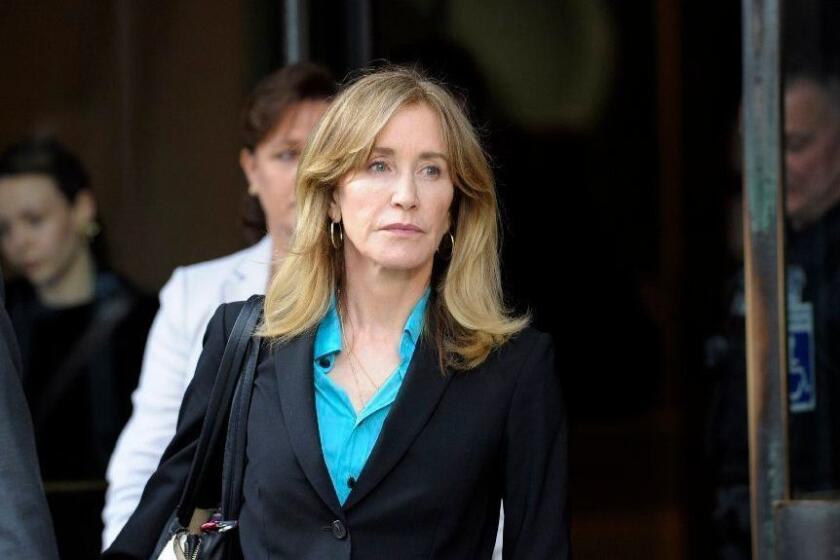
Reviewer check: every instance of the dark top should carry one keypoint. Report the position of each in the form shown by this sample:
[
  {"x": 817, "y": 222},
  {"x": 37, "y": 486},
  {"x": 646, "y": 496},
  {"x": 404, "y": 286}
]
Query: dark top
[
  {"x": 80, "y": 366},
  {"x": 79, "y": 411},
  {"x": 452, "y": 446}
]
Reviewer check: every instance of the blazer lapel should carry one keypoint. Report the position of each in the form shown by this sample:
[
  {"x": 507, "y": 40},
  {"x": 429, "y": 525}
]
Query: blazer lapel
[
  {"x": 249, "y": 274},
  {"x": 293, "y": 367},
  {"x": 422, "y": 388}
]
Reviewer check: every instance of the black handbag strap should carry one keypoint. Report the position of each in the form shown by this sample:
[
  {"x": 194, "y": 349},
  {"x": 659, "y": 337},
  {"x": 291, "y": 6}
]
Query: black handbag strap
[
  {"x": 233, "y": 470},
  {"x": 221, "y": 397}
]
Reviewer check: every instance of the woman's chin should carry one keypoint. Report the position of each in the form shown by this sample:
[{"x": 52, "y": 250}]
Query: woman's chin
[{"x": 404, "y": 263}]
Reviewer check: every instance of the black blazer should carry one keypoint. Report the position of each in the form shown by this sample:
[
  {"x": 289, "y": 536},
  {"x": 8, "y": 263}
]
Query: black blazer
[{"x": 452, "y": 446}]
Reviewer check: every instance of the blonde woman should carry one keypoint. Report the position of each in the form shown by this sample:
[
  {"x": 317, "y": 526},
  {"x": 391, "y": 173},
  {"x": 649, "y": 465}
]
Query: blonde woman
[{"x": 396, "y": 401}]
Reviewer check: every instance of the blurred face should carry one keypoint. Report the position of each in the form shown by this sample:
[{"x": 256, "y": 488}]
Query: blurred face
[
  {"x": 395, "y": 210},
  {"x": 40, "y": 231},
  {"x": 812, "y": 152},
  {"x": 272, "y": 167}
]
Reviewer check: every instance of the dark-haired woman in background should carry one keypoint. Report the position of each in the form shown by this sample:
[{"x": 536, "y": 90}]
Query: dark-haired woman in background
[{"x": 80, "y": 326}]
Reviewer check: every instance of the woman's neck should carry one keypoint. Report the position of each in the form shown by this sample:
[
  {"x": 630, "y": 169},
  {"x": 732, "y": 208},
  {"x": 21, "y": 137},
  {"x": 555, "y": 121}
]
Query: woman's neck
[
  {"x": 379, "y": 302},
  {"x": 73, "y": 286}
]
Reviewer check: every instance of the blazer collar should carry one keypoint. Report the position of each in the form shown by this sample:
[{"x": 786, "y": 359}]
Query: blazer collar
[
  {"x": 250, "y": 272},
  {"x": 421, "y": 390},
  {"x": 295, "y": 381}
]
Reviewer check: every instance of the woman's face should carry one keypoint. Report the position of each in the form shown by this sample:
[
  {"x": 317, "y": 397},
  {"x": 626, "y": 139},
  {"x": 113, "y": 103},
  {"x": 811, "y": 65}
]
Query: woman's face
[
  {"x": 395, "y": 210},
  {"x": 271, "y": 168},
  {"x": 40, "y": 231}
]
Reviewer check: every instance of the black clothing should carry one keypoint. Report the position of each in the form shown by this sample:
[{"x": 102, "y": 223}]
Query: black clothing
[
  {"x": 452, "y": 446},
  {"x": 813, "y": 307},
  {"x": 81, "y": 364}
]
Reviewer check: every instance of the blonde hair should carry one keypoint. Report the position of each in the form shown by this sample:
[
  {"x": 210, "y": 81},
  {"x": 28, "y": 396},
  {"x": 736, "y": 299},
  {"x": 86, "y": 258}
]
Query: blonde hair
[{"x": 466, "y": 315}]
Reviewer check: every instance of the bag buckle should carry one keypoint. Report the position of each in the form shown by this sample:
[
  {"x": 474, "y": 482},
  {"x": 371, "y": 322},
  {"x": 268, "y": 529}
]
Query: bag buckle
[{"x": 218, "y": 526}]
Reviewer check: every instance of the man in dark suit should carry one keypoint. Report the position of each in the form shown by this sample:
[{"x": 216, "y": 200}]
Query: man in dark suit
[{"x": 26, "y": 530}]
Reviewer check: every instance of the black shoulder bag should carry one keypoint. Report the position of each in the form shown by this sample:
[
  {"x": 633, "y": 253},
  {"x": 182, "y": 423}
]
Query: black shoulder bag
[{"x": 203, "y": 534}]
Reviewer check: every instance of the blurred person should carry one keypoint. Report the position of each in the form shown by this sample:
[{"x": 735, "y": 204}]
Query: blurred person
[
  {"x": 812, "y": 194},
  {"x": 81, "y": 330},
  {"x": 26, "y": 531},
  {"x": 277, "y": 120},
  {"x": 812, "y": 207},
  {"x": 396, "y": 400},
  {"x": 812, "y": 145}
]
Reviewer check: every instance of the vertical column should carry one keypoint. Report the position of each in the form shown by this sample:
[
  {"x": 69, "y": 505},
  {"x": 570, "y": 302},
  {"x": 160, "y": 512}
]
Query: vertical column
[
  {"x": 764, "y": 269},
  {"x": 359, "y": 33},
  {"x": 295, "y": 31}
]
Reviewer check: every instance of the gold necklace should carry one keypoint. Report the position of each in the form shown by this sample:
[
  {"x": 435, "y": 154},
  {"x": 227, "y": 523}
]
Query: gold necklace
[
  {"x": 351, "y": 357},
  {"x": 370, "y": 380},
  {"x": 362, "y": 401},
  {"x": 352, "y": 369}
]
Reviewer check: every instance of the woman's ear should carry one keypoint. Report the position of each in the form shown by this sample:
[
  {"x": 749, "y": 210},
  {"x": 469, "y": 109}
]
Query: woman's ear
[
  {"x": 84, "y": 209},
  {"x": 247, "y": 162},
  {"x": 335, "y": 208}
]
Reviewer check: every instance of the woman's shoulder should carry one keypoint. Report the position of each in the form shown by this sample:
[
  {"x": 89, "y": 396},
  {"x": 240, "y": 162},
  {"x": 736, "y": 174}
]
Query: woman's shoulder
[
  {"x": 216, "y": 269},
  {"x": 111, "y": 284},
  {"x": 528, "y": 339},
  {"x": 112, "y": 287},
  {"x": 526, "y": 349},
  {"x": 194, "y": 291},
  {"x": 227, "y": 313}
]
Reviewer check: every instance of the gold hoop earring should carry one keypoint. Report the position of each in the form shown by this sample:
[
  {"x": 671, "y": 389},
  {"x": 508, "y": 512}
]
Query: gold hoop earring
[
  {"x": 91, "y": 229},
  {"x": 340, "y": 234}
]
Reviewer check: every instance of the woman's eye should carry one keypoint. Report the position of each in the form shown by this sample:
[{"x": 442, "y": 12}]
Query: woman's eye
[
  {"x": 432, "y": 171},
  {"x": 378, "y": 167},
  {"x": 33, "y": 219},
  {"x": 287, "y": 155}
]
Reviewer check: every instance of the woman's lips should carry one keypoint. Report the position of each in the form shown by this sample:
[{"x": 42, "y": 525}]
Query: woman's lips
[{"x": 404, "y": 229}]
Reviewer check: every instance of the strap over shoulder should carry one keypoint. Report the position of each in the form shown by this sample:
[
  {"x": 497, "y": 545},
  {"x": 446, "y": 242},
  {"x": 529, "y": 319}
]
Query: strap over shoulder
[{"x": 221, "y": 397}]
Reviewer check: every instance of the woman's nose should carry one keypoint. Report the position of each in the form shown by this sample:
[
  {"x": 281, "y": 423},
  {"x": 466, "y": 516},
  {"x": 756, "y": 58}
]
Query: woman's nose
[{"x": 405, "y": 191}]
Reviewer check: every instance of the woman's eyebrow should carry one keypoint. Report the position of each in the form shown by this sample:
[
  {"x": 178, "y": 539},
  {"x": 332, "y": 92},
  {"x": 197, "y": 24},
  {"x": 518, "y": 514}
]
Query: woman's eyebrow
[
  {"x": 386, "y": 151},
  {"x": 433, "y": 155}
]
